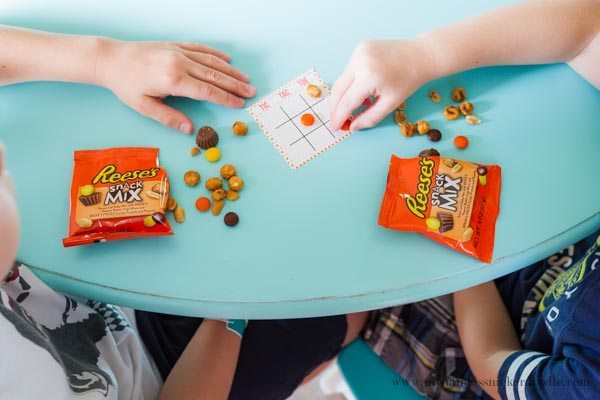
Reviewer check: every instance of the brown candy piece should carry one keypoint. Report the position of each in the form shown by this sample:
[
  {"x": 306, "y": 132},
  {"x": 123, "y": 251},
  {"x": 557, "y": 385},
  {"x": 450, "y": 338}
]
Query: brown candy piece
[
  {"x": 231, "y": 219},
  {"x": 481, "y": 170},
  {"x": 429, "y": 153},
  {"x": 207, "y": 137},
  {"x": 434, "y": 135}
]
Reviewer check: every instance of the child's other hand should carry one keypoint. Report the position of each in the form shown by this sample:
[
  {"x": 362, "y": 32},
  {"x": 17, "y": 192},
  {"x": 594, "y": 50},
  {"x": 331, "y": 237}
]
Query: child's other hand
[
  {"x": 389, "y": 71},
  {"x": 142, "y": 74}
]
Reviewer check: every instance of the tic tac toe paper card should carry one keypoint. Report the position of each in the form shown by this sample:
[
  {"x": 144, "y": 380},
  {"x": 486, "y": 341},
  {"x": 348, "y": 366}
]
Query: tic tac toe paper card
[{"x": 279, "y": 115}]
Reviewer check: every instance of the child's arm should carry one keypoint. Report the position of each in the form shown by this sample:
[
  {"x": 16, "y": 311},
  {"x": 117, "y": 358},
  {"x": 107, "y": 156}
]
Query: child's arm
[
  {"x": 534, "y": 32},
  {"x": 206, "y": 368},
  {"x": 141, "y": 74},
  {"x": 486, "y": 333}
]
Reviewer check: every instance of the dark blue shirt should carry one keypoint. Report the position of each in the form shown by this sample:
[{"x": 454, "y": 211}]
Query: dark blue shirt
[{"x": 554, "y": 306}]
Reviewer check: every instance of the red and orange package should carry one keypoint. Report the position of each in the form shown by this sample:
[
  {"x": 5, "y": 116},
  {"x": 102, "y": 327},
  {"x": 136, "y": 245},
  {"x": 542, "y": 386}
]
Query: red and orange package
[
  {"x": 450, "y": 201},
  {"x": 118, "y": 193}
]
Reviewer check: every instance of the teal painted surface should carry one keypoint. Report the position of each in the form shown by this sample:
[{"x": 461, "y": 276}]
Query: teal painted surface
[
  {"x": 370, "y": 378},
  {"x": 308, "y": 242}
]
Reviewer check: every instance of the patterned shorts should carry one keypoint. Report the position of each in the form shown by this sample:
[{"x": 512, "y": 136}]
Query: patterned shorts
[{"x": 420, "y": 342}]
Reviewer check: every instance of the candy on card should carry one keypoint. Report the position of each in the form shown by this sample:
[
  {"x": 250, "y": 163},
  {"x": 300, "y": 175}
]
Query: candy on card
[{"x": 280, "y": 116}]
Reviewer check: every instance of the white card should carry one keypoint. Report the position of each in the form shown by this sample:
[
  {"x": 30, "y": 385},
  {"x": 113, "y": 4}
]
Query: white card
[{"x": 278, "y": 115}]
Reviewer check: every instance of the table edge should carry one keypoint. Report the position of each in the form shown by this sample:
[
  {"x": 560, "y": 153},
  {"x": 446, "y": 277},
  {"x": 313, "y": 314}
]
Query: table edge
[{"x": 315, "y": 306}]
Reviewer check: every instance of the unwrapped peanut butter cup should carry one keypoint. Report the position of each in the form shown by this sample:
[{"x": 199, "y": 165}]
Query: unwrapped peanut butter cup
[{"x": 207, "y": 137}]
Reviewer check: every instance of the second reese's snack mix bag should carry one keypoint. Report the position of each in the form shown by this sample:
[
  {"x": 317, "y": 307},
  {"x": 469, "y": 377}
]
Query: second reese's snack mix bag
[{"x": 451, "y": 201}]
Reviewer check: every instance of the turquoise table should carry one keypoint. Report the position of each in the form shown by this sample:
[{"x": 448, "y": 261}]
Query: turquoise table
[{"x": 308, "y": 242}]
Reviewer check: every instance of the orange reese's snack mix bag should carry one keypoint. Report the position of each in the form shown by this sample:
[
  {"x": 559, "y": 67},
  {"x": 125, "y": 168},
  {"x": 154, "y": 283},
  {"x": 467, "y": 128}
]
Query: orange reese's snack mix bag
[
  {"x": 450, "y": 201},
  {"x": 116, "y": 194}
]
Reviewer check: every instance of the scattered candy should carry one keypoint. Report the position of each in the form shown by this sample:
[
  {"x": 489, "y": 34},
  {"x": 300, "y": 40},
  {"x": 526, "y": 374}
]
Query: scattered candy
[
  {"x": 179, "y": 215},
  {"x": 429, "y": 153},
  {"x": 227, "y": 171},
  {"x": 207, "y": 137},
  {"x": 218, "y": 194},
  {"x": 194, "y": 151},
  {"x": 434, "y": 135},
  {"x": 346, "y": 125},
  {"x": 232, "y": 195},
  {"x": 239, "y": 128},
  {"x": 402, "y": 106},
  {"x": 214, "y": 184},
  {"x": 236, "y": 183},
  {"x": 217, "y": 207},
  {"x": 435, "y": 96},
  {"x": 481, "y": 170},
  {"x": 423, "y": 127},
  {"x": 313, "y": 91},
  {"x": 399, "y": 117},
  {"x": 307, "y": 119},
  {"x": 213, "y": 154},
  {"x": 461, "y": 142},
  {"x": 482, "y": 180},
  {"x": 473, "y": 120},
  {"x": 191, "y": 178},
  {"x": 459, "y": 94},
  {"x": 408, "y": 129},
  {"x": 451, "y": 112},
  {"x": 202, "y": 204},
  {"x": 466, "y": 108},
  {"x": 231, "y": 219}
]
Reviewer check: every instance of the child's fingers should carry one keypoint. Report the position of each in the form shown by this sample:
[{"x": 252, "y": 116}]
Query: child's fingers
[
  {"x": 217, "y": 63},
  {"x": 373, "y": 115},
  {"x": 351, "y": 100},
  {"x": 201, "y": 90},
  {"x": 221, "y": 80},
  {"x": 337, "y": 91},
  {"x": 204, "y": 49},
  {"x": 154, "y": 108}
]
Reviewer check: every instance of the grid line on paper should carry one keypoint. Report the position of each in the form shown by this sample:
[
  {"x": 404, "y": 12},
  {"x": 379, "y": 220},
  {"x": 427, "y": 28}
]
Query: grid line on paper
[
  {"x": 298, "y": 129},
  {"x": 305, "y": 110},
  {"x": 317, "y": 115},
  {"x": 256, "y": 115}
]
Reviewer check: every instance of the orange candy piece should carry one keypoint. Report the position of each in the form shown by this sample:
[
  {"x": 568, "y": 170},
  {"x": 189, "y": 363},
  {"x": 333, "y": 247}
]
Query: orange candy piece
[
  {"x": 461, "y": 142},
  {"x": 346, "y": 125},
  {"x": 307, "y": 119},
  {"x": 203, "y": 204}
]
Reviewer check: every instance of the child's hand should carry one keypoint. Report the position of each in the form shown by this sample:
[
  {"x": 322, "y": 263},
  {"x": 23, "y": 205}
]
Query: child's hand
[
  {"x": 142, "y": 74},
  {"x": 390, "y": 71}
]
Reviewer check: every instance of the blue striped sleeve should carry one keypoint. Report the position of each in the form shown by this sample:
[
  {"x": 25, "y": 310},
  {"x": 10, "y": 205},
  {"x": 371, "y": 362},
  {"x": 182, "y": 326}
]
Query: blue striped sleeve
[{"x": 535, "y": 376}]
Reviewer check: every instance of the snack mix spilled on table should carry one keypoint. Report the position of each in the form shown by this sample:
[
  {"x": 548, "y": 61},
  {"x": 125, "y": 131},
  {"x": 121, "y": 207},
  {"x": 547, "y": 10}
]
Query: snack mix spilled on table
[
  {"x": 207, "y": 138},
  {"x": 451, "y": 112}
]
